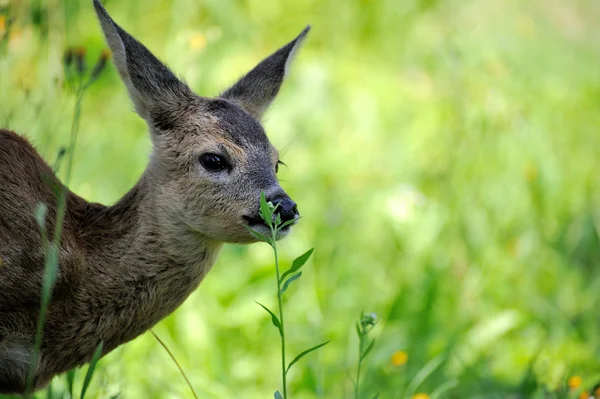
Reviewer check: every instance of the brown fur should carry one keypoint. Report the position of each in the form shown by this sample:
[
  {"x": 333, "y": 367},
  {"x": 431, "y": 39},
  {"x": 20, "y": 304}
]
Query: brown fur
[{"x": 122, "y": 268}]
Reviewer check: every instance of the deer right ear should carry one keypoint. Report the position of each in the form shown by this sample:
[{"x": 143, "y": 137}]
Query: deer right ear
[
  {"x": 256, "y": 90},
  {"x": 151, "y": 85}
]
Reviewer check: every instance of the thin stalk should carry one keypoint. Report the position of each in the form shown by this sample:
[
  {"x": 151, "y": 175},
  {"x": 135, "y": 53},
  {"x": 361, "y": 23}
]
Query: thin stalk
[
  {"x": 51, "y": 259},
  {"x": 280, "y": 301},
  {"x": 50, "y": 268},
  {"x": 74, "y": 131},
  {"x": 176, "y": 363},
  {"x": 360, "y": 350}
]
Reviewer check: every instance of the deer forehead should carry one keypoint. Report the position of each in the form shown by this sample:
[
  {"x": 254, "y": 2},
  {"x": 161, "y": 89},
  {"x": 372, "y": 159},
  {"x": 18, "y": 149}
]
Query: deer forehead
[{"x": 221, "y": 125}]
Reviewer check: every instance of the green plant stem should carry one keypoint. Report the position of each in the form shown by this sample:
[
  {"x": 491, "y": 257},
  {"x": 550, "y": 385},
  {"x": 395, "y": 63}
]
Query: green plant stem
[
  {"x": 50, "y": 268},
  {"x": 74, "y": 131},
  {"x": 280, "y": 301},
  {"x": 51, "y": 260},
  {"x": 360, "y": 349}
]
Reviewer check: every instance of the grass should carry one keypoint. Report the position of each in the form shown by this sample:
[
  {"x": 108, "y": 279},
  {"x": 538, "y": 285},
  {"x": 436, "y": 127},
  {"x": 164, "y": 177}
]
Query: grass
[
  {"x": 444, "y": 158},
  {"x": 78, "y": 82}
]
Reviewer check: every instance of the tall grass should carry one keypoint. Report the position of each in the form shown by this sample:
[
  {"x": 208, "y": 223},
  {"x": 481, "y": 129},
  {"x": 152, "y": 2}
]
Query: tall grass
[
  {"x": 78, "y": 81},
  {"x": 444, "y": 155}
]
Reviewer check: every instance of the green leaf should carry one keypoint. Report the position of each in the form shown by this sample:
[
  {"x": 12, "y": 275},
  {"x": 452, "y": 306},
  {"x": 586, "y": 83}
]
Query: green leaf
[
  {"x": 88, "y": 376},
  {"x": 297, "y": 264},
  {"x": 265, "y": 211},
  {"x": 289, "y": 281},
  {"x": 278, "y": 395},
  {"x": 70, "y": 380},
  {"x": 366, "y": 351},
  {"x": 257, "y": 234},
  {"x": 274, "y": 318},
  {"x": 284, "y": 224},
  {"x": 306, "y": 352}
]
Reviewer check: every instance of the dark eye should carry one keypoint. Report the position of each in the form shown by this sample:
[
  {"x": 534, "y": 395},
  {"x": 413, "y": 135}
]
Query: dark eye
[
  {"x": 214, "y": 162},
  {"x": 277, "y": 166}
]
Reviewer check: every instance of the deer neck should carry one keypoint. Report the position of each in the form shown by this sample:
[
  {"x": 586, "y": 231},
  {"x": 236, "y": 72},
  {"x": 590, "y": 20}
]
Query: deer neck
[{"x": 143, "y": 253}]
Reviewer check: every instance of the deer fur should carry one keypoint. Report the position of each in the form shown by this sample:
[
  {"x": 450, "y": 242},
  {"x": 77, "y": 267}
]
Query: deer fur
[{"x": 122, "y": 268}]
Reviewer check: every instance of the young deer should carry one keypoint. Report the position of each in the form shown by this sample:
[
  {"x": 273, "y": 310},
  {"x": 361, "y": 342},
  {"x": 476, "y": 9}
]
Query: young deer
[{"x": 122, "y": 268}]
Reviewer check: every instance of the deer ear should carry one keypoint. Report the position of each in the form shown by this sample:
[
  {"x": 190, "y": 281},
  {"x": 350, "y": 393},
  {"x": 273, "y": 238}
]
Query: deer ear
[
  {"x": 151, "y": 85},
  {"x": 256, "y": 90}
]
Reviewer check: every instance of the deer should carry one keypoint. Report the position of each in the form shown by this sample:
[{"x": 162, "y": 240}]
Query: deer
[{"x": 122, "y": 268}]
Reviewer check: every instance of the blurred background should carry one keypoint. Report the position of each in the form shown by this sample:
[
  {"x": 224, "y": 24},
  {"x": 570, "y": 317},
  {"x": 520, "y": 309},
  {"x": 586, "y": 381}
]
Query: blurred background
[{"x": 445, "y": 158}]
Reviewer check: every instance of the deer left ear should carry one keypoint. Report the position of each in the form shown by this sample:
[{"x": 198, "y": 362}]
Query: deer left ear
[
  {"x": 258, "y": 88},
  {"x": 151, "y": 85}
]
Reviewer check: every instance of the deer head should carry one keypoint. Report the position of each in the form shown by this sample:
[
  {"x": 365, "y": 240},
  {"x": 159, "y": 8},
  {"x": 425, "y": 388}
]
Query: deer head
[{"x": 211, "y": 158}]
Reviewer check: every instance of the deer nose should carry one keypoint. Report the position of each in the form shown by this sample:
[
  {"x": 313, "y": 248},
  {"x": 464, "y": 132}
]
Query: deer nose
[{"x": 286, "y": 208}]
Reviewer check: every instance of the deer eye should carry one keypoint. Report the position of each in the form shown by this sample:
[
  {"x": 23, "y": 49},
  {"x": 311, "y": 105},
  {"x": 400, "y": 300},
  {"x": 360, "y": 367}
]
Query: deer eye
[
  {"x": 277, "y": 166},
  {"x": 213, "y": 162}
]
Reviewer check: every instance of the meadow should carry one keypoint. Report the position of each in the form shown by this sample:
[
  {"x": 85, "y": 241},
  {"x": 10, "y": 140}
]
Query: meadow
[{"x": 444, "y": 155}]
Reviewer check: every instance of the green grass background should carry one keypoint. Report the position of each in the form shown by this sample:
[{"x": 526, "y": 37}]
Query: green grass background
[{"x": 445, "y": 156}]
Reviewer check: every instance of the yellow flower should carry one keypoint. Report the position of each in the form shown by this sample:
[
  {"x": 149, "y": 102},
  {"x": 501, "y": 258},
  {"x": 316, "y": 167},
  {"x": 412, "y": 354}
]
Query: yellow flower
[
  {"x": 399, "y": 358},
  {"x": 2, "y": 25},
  {"x": 574, "y": 382},
  {"x": 197, "y": 41},
  {"x": 584, "y": 395},
  {"x": 420, "y": 396}
]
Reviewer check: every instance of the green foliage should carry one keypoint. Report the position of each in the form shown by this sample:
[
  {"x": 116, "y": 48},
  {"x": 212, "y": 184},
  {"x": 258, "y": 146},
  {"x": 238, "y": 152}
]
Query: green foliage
[
  {"x": 268, "y": 213},
  {"x": 304, "y": 353},
  {"x": 274, "y": 318},
  {"x": 363, "y": 328},
  {"x": 444, "y": 156},
  {"x": 91, "y": 368}
]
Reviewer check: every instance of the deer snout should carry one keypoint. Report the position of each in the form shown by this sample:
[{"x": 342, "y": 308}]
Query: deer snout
[{"x": 286, "y": 208}]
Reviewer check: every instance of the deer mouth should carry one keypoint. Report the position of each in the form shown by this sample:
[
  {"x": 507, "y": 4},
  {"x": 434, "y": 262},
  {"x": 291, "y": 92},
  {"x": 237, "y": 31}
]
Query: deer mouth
[
  {"x": 254, "y": 221},
  {"x": 257, "y": 222}
]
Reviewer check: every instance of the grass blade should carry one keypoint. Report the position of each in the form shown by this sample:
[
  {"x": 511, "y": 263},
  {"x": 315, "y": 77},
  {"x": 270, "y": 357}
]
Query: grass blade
[
  {"x": 297, "y": 264},
  {"x": 49, "y": 392},
  {"x": 278, "y": 395},
  {"x": 70, "y": 381},
  {"x": 176, "y": 363},
  {"x": 445, "y": 387},
  {"x": 422, "y": 375},
  {"x": 306, "y": 352},
  {"x": 90, "y": 373}
]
